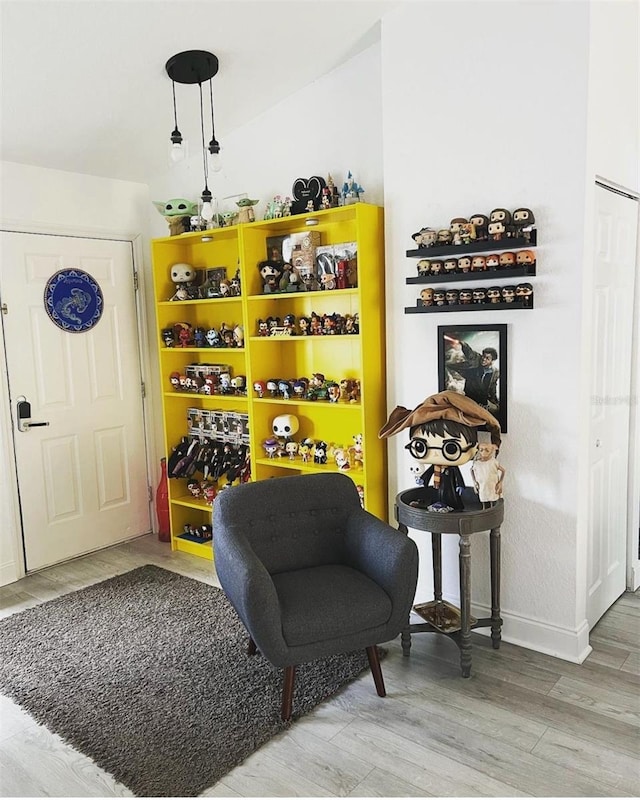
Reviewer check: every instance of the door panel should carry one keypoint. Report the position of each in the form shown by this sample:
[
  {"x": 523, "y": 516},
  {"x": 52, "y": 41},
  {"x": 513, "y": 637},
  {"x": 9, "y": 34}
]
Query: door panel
[
  {"x": 612, "y": 320},
  {"x": 82, "y": 477}
]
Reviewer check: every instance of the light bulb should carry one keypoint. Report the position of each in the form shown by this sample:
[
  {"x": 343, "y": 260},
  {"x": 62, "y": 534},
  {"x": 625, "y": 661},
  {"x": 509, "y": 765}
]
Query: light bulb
[
  {"x": 207, "y": 211},
  {"x": 215, "y": 162},
  {"x": 176, "y": 153}
]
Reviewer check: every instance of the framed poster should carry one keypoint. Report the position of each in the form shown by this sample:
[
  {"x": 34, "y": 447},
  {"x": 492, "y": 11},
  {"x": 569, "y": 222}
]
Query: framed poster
[{"x": 472, "y": 360}]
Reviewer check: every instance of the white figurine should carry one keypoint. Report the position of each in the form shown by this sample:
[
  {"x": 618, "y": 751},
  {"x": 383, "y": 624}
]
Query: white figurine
[{"x": 487, "y": 474}]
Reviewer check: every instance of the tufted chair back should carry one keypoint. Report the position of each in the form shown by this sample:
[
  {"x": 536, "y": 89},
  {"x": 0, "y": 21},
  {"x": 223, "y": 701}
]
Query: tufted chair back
[{"x": 291, "y": 523}]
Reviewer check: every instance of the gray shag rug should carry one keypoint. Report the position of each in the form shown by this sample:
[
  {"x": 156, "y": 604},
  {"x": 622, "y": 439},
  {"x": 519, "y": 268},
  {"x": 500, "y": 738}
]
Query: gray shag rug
[{"x": 147, "y": 674}]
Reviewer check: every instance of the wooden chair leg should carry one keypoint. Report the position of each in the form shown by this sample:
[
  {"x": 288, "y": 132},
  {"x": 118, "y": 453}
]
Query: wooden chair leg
[
  {"x": 374, "y": 663},
  {"x": 287, "y": 692},
  {"x": 251, "y": 648}
]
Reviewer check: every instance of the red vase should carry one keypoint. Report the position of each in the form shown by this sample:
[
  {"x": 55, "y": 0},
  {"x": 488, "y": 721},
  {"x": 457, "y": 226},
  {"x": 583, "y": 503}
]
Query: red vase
[{"x": 162, "y": 504}]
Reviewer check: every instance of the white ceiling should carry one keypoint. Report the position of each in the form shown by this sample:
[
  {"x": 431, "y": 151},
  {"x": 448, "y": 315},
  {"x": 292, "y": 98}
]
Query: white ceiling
[{"x": 84, "y": 88}]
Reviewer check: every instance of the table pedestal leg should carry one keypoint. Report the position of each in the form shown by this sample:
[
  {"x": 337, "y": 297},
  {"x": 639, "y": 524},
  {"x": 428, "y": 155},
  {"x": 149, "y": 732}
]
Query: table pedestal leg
[
  {"x": 436, "y": 553},
  {"x": 496, "y": 621},
  {"x": 465, "y": 604},
  {"x": 405, "y": 636}
]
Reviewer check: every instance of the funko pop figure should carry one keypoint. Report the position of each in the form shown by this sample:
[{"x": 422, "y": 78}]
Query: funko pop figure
[{"x": 487, "y": 474}]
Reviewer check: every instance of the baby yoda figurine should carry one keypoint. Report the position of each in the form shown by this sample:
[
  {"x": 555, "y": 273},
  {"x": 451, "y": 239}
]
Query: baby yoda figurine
[
  {"x": 178, "y": 213},
  {"x": 246, "y": 210}
]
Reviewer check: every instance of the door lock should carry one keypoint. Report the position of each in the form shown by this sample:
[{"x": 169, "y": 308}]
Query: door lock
[{"x": 24, "y": 416}]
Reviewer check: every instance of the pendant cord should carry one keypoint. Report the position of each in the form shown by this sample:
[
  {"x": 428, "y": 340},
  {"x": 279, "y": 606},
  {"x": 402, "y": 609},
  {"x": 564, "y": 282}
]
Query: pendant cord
[
  {"x": 213, "y": 132},
  {"x": 204, "y": 152},
  {"x": 175, "y": 111}
]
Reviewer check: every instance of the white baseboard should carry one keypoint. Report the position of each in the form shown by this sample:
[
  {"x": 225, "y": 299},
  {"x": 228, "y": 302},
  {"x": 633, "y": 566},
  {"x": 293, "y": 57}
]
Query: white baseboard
[
  {"x": 565, "y": 643},
  {"x": 635, "y": 576},
  {"x": 9, "y": 573}
]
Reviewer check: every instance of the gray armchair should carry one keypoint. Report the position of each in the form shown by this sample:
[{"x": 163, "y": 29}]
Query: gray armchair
[{"x": 310, "y": 573}]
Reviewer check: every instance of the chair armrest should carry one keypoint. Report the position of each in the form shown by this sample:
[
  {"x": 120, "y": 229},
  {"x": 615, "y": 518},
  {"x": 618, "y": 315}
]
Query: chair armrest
[
  {"x": 387, "y": 556},
  {"x": 250, "y": 590}
]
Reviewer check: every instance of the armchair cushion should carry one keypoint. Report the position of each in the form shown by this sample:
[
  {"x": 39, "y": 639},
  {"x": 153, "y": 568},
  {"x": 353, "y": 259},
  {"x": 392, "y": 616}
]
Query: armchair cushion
[{"x": 327, "y": 602}]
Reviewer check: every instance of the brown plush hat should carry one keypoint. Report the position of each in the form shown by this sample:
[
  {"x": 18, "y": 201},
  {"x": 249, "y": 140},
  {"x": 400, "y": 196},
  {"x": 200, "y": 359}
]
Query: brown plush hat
[{"x": 444, "y": 405}]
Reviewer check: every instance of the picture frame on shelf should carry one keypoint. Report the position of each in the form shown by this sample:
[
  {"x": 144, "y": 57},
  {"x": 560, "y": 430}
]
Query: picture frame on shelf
[{"x": 472, "y": 360}]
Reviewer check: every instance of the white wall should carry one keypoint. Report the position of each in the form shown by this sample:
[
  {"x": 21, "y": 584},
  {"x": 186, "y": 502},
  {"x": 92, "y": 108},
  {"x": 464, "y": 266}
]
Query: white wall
[
  {"x": 50, "y": 201},
  {"x": 332, "y": 126},
  {"x": 485, "y": 105}
]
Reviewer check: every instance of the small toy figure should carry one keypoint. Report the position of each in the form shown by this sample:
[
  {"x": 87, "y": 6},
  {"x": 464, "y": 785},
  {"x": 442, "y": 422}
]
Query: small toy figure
[
  {"x": 289, "y": 323},
  {"x": 492, "y": 261},
  {"x": 443, "y": 434},
  {"x": 356, "y": 451},
  {"x": 480, "y": 222},
  {"x": 488, "y": 474},
  {"x": 271, "y": 447},
  {"x": 508, "y": 294},
  {"x": 272, "y": 387},
  {"x": 246, "y": 210},
  {"x": 199, "y": 337},
  {"x": 507, "y": 260},
  {"x": 439, "y": 298},
  {"x": 320, "y": 453},
  {"x": 174, "y": 380},
  {"x": 494, "y": 294},
  {"x": 436, "y": 268},
  {"x": 524, "y": 293},
  {"x": 455, "y": 226},
  {"x": 452, "y": 297},
  {"x": 270, "y": 272},
  {"x": 423, "y": 266},
  {"x": 425, "y": 237},
  {"x": 236, "y": 286},
  {"x": 451, "y": 266},
  {"x": 525, "y": 258},
  {"x": 418, "y": 470},
  {"x": 304, "y": 448},
  {"x": 465, "y": 297},
  {"x": 444, "y": 237},
  {"x": 285, "y": 389},
  {"x": 351, "y": 191},
  {"x": 183, "y": 275},
  {"x": 341, "y": 457},
  {"x": 260, "y": 388},
  {"x": 209, "y": 493},
  {"x": 168, "y": 337},
  {"x": 291, "y": 449},
  {"x": 360, "y": 490},
  {"x": 464, "y": 264},
  {"x": 523, "y": 221},
  {"x": 499, "y": 224},
  {"x": 213, "y": 338},
  {"x": 468, "y": 233},
  {"x": 478, "y": 264},
  {"x": 185, "y": 334},
  {"x": 426, "y": 297},
  {"x": 304, "y": 324},
  {"x": 178, "y": 213}
]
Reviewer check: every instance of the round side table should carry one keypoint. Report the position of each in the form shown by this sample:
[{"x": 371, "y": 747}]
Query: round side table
[{"x": 440, "y": 616}]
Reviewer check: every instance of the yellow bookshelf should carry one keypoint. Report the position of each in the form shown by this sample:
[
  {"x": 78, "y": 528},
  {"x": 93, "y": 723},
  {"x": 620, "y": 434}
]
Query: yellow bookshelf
[{"x": 352, "y": 356}]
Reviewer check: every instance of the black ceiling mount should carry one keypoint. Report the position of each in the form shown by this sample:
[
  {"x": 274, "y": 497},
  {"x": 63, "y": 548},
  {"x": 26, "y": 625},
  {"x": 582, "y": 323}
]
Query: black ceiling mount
[{"x": 192, "y": 66}]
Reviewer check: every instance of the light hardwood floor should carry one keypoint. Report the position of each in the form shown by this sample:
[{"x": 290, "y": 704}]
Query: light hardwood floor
[{"x": 524, "y": 724}]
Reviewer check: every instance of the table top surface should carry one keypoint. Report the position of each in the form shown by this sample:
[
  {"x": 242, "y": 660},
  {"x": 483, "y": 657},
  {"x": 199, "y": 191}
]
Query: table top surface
[{"x": 473, "y": 519}]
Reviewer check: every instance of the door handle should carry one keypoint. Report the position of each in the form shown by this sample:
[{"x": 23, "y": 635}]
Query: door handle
[{"x": 23, "y": 407}]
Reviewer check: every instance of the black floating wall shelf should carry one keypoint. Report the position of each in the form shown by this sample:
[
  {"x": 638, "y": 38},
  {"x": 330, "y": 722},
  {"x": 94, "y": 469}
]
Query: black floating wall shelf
[
  {"x": 479, "y": 275},
  {"x": 516, "y": 306},
  {"x": 490, "y": 246}
]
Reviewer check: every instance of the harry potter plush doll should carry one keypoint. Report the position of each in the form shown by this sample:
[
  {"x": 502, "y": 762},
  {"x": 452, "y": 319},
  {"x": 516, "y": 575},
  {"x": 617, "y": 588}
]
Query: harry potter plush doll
[{"x": 443, "y": 434}]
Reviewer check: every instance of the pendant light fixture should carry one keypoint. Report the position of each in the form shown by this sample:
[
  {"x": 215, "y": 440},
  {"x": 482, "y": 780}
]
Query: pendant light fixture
[{"x": 189, "y": 67}]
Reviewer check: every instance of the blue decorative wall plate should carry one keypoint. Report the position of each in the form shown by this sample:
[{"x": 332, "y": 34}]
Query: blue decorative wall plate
[{"x": 73, "y": 300}]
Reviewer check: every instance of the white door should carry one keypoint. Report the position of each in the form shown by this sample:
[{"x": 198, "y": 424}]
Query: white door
[
  {"x": 82, "y": 477},
  {"x": 616, "y": 222}
]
